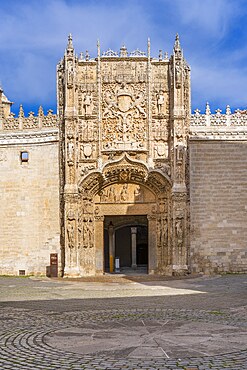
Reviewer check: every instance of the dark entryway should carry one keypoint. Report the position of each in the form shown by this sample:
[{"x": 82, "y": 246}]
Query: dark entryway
[{"x": 124, "y": 241}]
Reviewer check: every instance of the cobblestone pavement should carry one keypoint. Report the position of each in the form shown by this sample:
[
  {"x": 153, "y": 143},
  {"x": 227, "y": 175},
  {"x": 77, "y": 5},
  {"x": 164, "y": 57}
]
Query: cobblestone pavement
[{"x": 197, "y": 323}]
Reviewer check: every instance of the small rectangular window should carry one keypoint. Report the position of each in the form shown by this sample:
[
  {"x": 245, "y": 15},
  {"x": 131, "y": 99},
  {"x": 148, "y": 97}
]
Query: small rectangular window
[{"x": 24, "y": 157}]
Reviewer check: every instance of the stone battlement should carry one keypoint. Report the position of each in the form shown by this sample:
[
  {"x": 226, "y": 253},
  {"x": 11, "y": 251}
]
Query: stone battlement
[
  {"x": 238, "y": 118},
  {"x": 21, "y": 122},
  {"x": 219, "y": 126}
]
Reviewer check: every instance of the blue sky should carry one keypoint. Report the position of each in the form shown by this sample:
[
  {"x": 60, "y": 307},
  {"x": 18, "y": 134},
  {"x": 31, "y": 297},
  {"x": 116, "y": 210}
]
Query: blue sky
[{"x": 213, "y": 36}]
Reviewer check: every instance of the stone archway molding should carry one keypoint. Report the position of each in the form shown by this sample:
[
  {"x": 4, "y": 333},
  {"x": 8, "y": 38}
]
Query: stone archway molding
[{"x": 125, "y": 170}]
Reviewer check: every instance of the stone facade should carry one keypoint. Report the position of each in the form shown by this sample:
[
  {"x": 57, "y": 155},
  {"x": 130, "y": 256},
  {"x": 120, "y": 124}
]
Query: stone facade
[
  {"x": 123, "y": 168},
  {"x": 218, "y": 199},
  {"x": 29, "y": 192}
]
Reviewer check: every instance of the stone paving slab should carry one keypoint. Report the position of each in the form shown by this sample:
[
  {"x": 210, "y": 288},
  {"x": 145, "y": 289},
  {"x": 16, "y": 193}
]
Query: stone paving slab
[{"x": 198, "y": 323}]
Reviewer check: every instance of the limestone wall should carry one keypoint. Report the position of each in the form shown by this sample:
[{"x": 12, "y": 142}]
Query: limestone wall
[
  {"x": 29, "y": 196},
  {"x": 218, "y": 198}
]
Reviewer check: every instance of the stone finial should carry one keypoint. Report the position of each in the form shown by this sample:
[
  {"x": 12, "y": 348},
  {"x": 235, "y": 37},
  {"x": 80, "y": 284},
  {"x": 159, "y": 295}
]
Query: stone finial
[
  {"x": 207, "y": 111},
  {"x": 160, "y": 55},
  {"x": 197, "y": 112},
  {"x": 177, "y": 47},
  {"x": 21, "y": 111},
  {"x": 149, "y": 48},
  {"x": 81, "y": 57},
  {"x": 218, "y": 111},
  {"x": 87, "y": 55},
  {"x": 40, "y": 111},
  {"x": 98, "y": 48},
  {"x": 70, "y": 43},
  {"x": 228, "y": 110},
  {"x": 123, "y": 51},
  {"x": 166, "y": 55}
]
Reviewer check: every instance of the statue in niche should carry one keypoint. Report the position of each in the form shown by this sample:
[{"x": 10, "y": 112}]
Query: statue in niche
[
  {"x": 159, "y": 234},
  {"x": 103, "y": 195},
  {"x": 165, "y": 232},
  {"x": 70, "y": 234},
  {"x": 179, "y": 174},
  {"x": 178, "y": 75},
  {"x": 87, "y": 104},
  {"x": 87, "y": 233},
  {"x": 90, "y": 233},
  {"x": 180, "y": 152},
  {"x": 160, "y": 101},
  {"x": 124, "y": 193},
  {"x": 80, "y": 227},
  {"x": 138, "y": 194},
  {"x": 179, "y": 232},
  {"x": 112, "y": 195},
  {"x": 70, "y": 150},
  {"x": 70, "y": 73}
]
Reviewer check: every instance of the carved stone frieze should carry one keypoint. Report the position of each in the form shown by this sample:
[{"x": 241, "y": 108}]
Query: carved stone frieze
[{"x": 124, "y": 193}]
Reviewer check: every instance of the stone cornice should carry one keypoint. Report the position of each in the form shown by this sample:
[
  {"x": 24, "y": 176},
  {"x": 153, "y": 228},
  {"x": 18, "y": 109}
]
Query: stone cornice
[
  {"x": 30, "y": 137},
  {"x": 227, "y": 133}
]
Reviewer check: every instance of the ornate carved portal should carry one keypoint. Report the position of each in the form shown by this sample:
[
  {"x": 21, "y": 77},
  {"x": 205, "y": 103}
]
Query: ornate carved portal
[{"x": 124, "y": 122}]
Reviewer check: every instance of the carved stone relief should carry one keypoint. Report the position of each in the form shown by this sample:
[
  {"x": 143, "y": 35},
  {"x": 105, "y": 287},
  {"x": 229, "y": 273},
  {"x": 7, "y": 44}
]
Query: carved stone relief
[
  {"x": 124, "y": 117},
  {"x": 159, "y": 129},
  {"x": 87, "y": 151},
  {"x": 119, "y": 145},
  {"x": 124, "y": 193},
  {"x": 85, "y": 169},
  {"x": 71, "y": 228},
  {"x": 180, "y": 163},
  {"x": 86, "y": 103},
  {"x": 88, "y": 130}
]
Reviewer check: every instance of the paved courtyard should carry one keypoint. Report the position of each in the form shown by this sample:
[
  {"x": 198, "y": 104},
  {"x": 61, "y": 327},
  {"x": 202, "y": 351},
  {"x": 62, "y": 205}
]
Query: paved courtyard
[{"x": 124, "y": 322}]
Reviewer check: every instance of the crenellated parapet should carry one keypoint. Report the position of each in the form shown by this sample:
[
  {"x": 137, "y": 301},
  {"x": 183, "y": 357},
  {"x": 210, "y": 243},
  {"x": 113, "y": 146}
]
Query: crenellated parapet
[
  {"x": 26, "y": 130},
  {"x": 219, "y": 126},
  {"x": 41, "y": 121}
]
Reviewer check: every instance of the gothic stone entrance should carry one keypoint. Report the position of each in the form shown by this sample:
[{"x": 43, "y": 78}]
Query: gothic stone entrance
[
  {"x": 125, "y": 207},
  {"x": 124, "y": 124},
  {"x": 126, "y": 238},
  {"x": 147, "y": 195}
]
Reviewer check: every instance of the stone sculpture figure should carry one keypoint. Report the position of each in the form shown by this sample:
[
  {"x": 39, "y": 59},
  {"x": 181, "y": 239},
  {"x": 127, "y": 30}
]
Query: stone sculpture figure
[
  {"x": 70, "y": 233},
  {"x": 179, "y": 232},
  {"x": 160, "y": 101},
  {"x": 87, "y": 104}
]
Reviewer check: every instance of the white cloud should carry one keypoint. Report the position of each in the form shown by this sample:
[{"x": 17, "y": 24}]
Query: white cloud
[
  {"x": 211, "y": 17},
  {"x": 34, "y": 35}
]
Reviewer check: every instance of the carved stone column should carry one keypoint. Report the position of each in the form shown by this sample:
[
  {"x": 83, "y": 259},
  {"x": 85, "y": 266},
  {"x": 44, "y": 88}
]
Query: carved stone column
[
  {"x": 99, "y": 245},
  {"x": 180, "y": 240},
  {"x": 152, "y": 244},
  {"x": 111, "y": 247},
  {"x": 71, "y": 251},
  {"x": 133, "y": 247}
]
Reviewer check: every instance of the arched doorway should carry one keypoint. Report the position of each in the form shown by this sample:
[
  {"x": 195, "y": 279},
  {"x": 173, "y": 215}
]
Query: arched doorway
[{"x": 130, "y": 241}]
